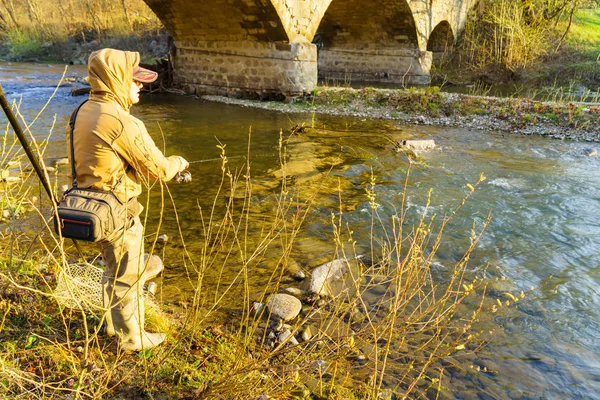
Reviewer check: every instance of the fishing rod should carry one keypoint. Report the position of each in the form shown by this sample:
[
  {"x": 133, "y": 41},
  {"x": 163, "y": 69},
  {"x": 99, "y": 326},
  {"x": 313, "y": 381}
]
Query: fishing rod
[
  {"x": 33, "y": 158},
  {"x": 35, "y": 161},
  {"x": 214, "y": 159}
]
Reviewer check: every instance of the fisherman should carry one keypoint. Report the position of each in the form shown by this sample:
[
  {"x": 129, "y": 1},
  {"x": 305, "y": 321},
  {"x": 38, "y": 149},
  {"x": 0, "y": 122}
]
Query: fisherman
[{"x": 113, "y": 152}]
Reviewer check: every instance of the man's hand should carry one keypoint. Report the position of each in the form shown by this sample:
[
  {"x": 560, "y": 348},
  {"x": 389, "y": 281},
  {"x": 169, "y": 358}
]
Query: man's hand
[{"x": 184, "y": 164}]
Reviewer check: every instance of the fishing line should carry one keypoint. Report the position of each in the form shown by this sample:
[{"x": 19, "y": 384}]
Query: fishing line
[{"x": 214, "y": 159}]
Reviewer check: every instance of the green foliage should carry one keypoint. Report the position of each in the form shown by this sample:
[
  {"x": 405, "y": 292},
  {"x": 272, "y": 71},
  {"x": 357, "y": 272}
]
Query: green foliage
[
  {"x": 584, "y": 33},
  {"x": 23, "y": 45},
  {"x": 512, "y": 35}
]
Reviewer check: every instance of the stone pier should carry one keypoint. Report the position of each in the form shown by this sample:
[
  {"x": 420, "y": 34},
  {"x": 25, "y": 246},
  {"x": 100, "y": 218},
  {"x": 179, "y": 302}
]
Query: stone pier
[
  {"x": 243, "y": 68},
  {"x": 384, "y": 66}
]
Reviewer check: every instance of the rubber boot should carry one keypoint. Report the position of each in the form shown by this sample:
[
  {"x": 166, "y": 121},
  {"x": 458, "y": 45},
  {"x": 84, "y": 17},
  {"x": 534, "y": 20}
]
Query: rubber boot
[
  {"x": 108, "y": 322},
  {"x": 128, "y": 320},
  {"x": 153, "y": 266}
]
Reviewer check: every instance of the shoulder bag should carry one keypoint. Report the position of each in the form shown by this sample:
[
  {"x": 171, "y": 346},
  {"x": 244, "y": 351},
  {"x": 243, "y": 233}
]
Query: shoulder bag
[{"x": 88, "y": 214}]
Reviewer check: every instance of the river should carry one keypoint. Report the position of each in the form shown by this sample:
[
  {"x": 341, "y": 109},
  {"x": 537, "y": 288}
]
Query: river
[{"x": 543, "y": 195}]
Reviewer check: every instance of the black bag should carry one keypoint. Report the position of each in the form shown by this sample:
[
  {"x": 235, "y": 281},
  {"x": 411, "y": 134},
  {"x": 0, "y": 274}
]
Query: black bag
[{"x": 88, "y": 214}]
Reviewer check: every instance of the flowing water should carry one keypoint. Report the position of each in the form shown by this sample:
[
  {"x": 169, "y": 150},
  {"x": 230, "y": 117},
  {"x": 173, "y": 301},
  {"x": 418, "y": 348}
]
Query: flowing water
[{"x": 543, "y": 195}]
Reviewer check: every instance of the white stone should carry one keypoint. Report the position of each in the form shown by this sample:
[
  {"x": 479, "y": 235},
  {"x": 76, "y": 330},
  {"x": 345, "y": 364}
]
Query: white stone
[
  {"x": 284, "y": 306},
  {"x": 258, "y": 307},
  {"x": 324, "y": 275},
  {"x": 61, "y": 161},
  {"x": 287, "y": 336},
  {"x": 418, "y": 144},
  {"x": 299, "y": 275},
  {"x": 164, "y": 238}
]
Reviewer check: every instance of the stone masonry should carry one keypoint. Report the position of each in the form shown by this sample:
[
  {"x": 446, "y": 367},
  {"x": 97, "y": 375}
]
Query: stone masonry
[{"x": 282, "y": 46}]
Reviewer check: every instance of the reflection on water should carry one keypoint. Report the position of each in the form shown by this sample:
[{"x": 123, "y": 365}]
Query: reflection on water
[{"x": 543, "y": 195}]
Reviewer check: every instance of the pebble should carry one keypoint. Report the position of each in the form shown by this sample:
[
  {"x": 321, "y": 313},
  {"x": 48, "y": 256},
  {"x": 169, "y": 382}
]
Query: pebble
[
  {"x": 258, "y": 307},
  {"x": 299, "y": 275},
  {"x": 164, "y": 238},
  {"x": 287, "y": 336},
  {"x": 386, "y": 394},
  {"x": 306, "y": 334},
  {"x": 6, "y": 214},
  {"x": 284, "y": 306},
  {"x": 61, "y": 161},
  {"x": 319, "y": 364},
  {"x": 294, "y": 291}
]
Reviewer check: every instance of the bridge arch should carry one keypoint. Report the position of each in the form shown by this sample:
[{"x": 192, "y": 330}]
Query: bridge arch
[
  {"x": 220, "y": 20},
  {"x": 441, "y": 42},
  {"x": 370, "y": 41},
  {"x": 368, "y": 24}
]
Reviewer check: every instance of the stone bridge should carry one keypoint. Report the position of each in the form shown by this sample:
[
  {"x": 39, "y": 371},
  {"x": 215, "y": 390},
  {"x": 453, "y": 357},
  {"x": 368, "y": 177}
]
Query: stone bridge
[{"x": 284, "y": 46}]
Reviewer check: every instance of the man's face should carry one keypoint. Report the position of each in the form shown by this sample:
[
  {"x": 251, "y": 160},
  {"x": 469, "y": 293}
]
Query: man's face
[{"x": 134, "y": 92}]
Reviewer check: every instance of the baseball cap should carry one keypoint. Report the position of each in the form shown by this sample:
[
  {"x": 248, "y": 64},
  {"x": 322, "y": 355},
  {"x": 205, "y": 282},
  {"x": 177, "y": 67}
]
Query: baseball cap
[{"x": 144, "y": 75}]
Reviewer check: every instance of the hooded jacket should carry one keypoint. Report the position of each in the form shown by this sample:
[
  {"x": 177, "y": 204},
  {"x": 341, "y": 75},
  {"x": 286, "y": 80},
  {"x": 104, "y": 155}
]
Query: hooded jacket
[{"x": 113, "y": 150}]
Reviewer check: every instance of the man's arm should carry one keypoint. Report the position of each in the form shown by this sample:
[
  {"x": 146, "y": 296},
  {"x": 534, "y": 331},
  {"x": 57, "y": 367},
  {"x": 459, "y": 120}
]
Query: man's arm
[{"x": 139, "y": 150}]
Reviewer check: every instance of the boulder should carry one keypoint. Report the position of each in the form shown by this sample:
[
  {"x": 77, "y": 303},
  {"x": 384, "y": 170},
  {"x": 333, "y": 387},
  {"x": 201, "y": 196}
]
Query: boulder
[
  {"x": 418, "y": 144},
  {"x": 284, "y": 306},
  {"x": 334, "y": 278}
]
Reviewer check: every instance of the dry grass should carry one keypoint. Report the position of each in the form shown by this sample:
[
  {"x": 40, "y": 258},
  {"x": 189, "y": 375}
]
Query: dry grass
[{"x": 58, "y": 30}]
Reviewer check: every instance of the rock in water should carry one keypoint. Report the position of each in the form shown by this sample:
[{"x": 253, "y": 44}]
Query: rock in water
[
  {"x": 284, "y": 306},
  {"x": 164, "y": 238},
  {"x": 418, "y": 144},
  {"x": 590, "y": 152},
  {"x": 60, "y": 161},
  {"x": 334, "y": 278}
]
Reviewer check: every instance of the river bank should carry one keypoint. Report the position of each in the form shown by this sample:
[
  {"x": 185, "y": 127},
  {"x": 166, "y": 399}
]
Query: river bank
[{"x": 565, "y": 120}]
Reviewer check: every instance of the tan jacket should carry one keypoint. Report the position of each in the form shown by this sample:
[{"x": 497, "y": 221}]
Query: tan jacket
[{"x": 113, "y": 150}]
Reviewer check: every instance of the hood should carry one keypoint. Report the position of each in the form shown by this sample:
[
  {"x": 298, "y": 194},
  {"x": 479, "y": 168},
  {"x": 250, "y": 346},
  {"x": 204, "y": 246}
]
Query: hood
[{"x": 111, "y": 72}]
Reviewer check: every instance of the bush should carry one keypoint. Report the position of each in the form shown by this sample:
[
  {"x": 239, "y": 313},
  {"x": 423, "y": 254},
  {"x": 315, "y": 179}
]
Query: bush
[{"x": 23, "y": 45}]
